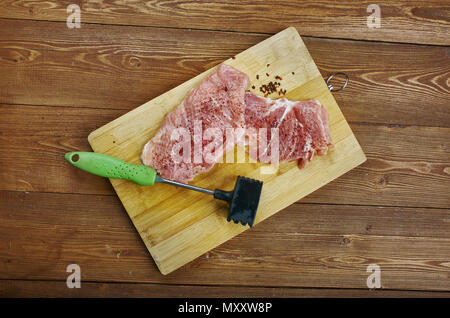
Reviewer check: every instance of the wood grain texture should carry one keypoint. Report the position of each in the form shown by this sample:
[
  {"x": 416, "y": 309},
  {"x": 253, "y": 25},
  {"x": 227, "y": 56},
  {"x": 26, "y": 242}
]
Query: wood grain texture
[
  {"x": 406, "y": 166},
  {"x": 54, "y": 289},
  {"x": 399, "y": 19},
  {"x": 112, "y": 69},
  {"x": 123, "y": 67},
  {"x": 319, "y": 245}
]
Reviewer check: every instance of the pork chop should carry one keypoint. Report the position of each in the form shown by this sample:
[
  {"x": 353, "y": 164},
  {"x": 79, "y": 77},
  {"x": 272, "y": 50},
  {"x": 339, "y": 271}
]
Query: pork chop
[
  {"x": 302, "y": 127},
  {"x": 217, "y": 104}
]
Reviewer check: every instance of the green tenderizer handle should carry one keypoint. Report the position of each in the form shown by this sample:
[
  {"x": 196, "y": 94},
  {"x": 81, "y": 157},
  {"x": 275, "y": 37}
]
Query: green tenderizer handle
[{"x": 110, "y": 167}]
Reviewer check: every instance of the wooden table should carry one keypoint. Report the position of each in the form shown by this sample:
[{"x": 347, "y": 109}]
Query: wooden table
[{"x": 59, "y": 84}]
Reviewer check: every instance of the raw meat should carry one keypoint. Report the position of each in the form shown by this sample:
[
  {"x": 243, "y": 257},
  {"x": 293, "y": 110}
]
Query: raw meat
[
  {"x": 216, "y": 104},
  {"x": 302, "y": 128}
]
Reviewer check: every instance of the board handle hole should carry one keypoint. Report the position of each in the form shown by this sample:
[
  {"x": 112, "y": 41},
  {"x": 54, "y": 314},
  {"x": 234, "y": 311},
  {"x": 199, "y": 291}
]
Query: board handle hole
[{"x": 75, "y": 158}]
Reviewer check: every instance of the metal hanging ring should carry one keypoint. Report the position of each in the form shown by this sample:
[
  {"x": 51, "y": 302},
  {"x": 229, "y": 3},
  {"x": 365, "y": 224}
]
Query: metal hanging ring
[{"x": 331, "y": 88}]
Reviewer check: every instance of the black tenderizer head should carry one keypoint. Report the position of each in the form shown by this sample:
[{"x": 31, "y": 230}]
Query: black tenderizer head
[{"x": 244, "y": 200}]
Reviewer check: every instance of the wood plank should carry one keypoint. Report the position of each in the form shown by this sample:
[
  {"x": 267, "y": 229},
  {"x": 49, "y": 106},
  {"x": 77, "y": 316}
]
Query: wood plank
[
  {"x": 399, "y": 19},
  {"x": 123, "y": 67},
  {"x": 320, "y": 245},
  {"x": 407, "y": 166},
  {"x": 32, "y": 155},
  {"x": 389, "y": 83},
  {"x": 307, "y": 218},
  {"x": 57, "y": 289}
]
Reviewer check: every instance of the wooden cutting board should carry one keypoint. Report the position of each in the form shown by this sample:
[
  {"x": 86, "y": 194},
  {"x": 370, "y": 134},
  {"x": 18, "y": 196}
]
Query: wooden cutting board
[{"x": 178, "y": 225}]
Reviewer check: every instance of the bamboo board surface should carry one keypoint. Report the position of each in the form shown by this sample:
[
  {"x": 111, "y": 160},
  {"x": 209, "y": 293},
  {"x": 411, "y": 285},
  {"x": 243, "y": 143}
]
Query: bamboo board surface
[{"x": 179, "y": 225}]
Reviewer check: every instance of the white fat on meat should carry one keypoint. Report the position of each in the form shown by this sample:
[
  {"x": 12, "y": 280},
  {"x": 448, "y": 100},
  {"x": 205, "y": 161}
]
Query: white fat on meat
[{"x": 302, "y": 126}]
